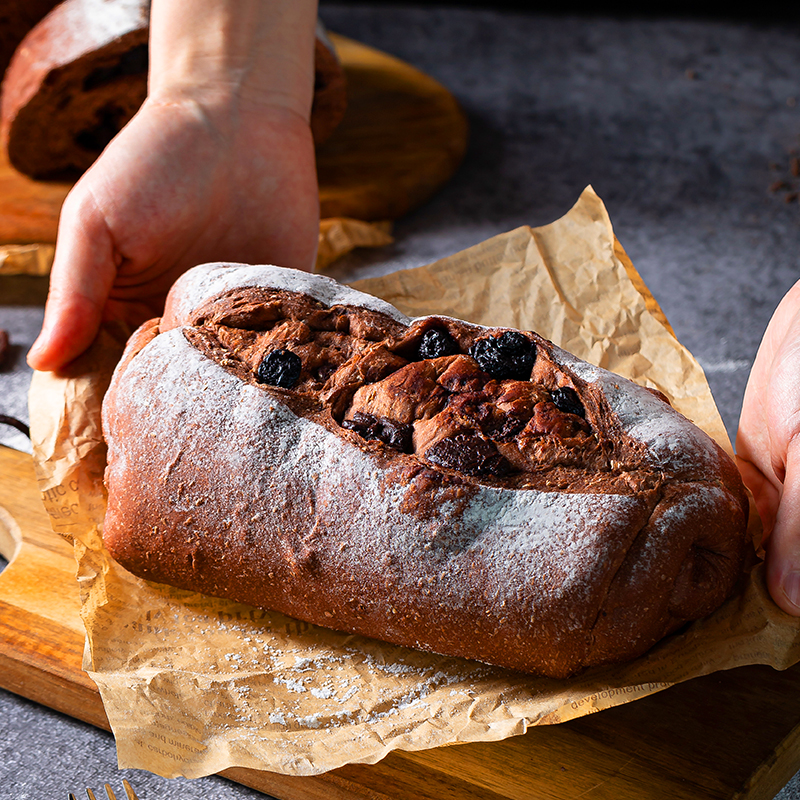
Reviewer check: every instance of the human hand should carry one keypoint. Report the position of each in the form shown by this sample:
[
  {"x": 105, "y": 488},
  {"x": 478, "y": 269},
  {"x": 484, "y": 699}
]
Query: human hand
[
  {"x": 185, "y": 182},
  {"x": 768, "y": 448},
  {"x": 217, "y": 165}
]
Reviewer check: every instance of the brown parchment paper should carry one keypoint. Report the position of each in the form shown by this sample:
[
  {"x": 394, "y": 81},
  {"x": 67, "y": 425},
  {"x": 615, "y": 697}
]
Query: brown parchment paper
[
  {"x": 337, "y": 237},
  {"x": 341, "y": 235},
  {"x": 193, "y": 685},
  {"x": 26, "y": 259}
]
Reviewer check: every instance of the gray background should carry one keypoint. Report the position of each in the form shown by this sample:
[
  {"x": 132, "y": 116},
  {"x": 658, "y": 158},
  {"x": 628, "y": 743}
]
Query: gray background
[{"x": 682, "y": 124}]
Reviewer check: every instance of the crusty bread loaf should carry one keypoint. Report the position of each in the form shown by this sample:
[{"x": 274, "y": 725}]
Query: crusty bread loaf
[
  {"x": 282, "y": 440},
  {"x": 74, "y": 81},
  {"x": 80, "y": 75}
]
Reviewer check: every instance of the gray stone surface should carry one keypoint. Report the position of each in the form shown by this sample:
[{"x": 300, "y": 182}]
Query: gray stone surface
[
  {"x": 21, "y": 316},
  {"x": 681, "y": 125}
]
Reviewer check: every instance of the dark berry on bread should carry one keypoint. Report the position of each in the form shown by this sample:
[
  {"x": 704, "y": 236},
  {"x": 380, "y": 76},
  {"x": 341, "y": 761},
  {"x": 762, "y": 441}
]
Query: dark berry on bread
[
  {"x": 566, "y": 399},
  {"x": 437, "y": 342},
  {"x": 510, "y": 355},
  {"x": 280, "y": 368}
]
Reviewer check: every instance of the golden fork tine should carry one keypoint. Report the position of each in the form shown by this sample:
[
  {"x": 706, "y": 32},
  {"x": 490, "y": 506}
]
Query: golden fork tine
[{"x": 129, "y": 793}]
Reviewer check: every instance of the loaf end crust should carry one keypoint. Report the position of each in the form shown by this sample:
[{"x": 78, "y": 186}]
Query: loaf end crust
[{"x": 80, "y": 75}]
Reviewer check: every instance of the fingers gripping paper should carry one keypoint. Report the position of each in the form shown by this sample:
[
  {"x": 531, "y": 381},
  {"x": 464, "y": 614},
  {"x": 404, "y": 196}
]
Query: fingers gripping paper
[{"x": 193, "y": 685}]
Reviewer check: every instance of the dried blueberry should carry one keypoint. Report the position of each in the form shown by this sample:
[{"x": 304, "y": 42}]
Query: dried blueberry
[
  {"x": 396, "y": 435},
  {"x": 280, "y": 368},
  {"x": 567, "y": 400},
  {"x": 510, "y": 355},
  {"x": 470, "y": 454},
  {"x": 437, "y": 342}
]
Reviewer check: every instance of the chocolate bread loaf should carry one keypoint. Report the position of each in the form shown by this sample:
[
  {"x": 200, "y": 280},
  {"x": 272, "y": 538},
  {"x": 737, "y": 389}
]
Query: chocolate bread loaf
[
  {"x": 80, "y": 75},
  {"x": 282, "y": 440}
]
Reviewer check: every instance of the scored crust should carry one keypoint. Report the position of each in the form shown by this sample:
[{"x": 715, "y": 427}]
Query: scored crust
[{"x": 460, "y": 513}]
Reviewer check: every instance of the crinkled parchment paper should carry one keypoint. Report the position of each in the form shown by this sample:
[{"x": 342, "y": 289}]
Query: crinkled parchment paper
[
  {"x": 194, "y": 685},
  {"x": 26, "y": 259}
]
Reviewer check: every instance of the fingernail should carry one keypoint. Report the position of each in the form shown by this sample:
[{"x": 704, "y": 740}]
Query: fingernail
[
  {"x": 32, "y": 352},
  {"x": 791, "y": 588},
  {"x": 35, "y": 349}
]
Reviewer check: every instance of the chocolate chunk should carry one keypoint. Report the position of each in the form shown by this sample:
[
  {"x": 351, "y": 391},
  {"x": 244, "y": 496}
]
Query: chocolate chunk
[
  {"x": 469, "y": 454},
  {"x": 394, "y": 434},
  {"x": 280, "y": 368},
  {"x": 510, "y": 355},
  {"x": 437, "y": 342},
  {"x": 566, "y": 399},
  {"x": 3, "y": 346}
]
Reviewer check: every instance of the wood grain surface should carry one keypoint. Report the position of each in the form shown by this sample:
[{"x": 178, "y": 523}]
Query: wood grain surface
[
  {"x": 729, "y": 735},
  {"x": 402, "y": 137}
]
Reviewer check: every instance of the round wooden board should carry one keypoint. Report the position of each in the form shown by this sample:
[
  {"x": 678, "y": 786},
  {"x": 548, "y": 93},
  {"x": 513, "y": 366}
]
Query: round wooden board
[{"x": 402, "y": 137}]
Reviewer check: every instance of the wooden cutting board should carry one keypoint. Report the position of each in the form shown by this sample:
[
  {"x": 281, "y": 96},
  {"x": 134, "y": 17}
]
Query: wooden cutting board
[
  {"x": 402, "y": 137},
  {"x": 734, "y": 734}
]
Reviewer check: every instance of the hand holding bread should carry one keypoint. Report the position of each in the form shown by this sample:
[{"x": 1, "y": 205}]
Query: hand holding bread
[
  {"x": 218, "y": 163},
  {"x": 768, "y": 448}
]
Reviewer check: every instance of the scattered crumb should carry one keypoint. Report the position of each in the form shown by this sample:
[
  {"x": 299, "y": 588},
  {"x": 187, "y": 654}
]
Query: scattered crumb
[{"x": 788, "y": 183}]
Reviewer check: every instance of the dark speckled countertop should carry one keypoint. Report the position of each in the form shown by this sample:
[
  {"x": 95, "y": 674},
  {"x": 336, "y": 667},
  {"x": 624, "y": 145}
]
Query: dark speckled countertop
[{"x": 686, "y": 127}]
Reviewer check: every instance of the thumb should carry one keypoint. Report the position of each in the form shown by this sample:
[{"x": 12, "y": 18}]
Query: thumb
[
  {"x": 783, "y": 545},
  {"x": 80, "y": 281}
]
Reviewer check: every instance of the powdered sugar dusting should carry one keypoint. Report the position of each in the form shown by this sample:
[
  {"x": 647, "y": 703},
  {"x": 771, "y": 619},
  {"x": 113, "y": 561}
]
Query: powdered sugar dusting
[
  {"x": 673, "y": 443},
  {"x": 325, "y": 520},
  {"x": 564, "y": 536},
  {"x": 94, "y": 23},
  {"x": 201, "y": 283},
  {"x": 532, "y": 547},
  {"x": 679, "y": 516}
]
